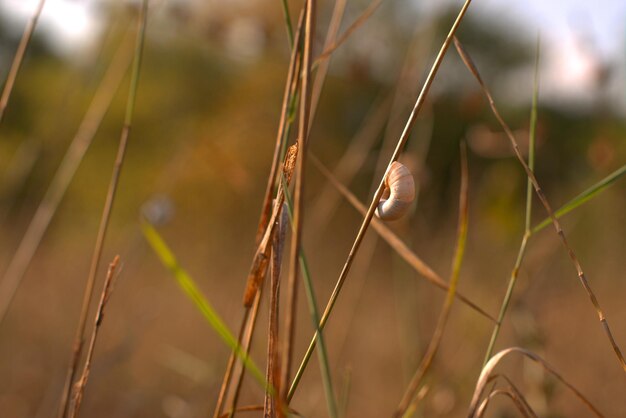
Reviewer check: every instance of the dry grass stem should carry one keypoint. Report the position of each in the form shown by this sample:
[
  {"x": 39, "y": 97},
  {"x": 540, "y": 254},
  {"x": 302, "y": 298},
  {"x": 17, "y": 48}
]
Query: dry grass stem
[
  {"x": 230, "y": 367},
  {"x": 421, "y": 394},
  {"x": 527, "y": 231},
  {"x": 261, "y": 257},
  {"x": 273, "y": 360},
  {"x": 519, "y": 404},
  {"x": 395, "y": 242},
  {"x": 329, "y": 49},
  {"x": 263, "y": 232},
  {"x": 79, "y": 387},
  {"x": 322, "y": 65},
  {"x": 351, "y": 161},
  {"x": 516, "y": 391},
  {"x": 254, "y": 408},
  {"x": 540, "y": 194},
  {"x": 487, "y": 370},
  {"x": 106, "y": 212},
  {"x": 294, "y": 255},
  {"x": 247, "y": 345},
  {"x": 290, "y": 90},
  {"x": 18, "y": 58},
  {"x": 35, "y": 231},
  {"x": 379, "y": 192},
  {"x": 268, "y": 217}
]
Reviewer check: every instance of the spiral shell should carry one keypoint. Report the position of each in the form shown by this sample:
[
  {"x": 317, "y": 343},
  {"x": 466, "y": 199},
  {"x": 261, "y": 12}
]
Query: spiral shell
[{"x": 399, "y": 193}]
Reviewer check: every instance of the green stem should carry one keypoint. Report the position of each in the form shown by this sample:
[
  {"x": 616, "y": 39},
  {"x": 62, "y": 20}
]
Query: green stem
[
  {"x": 288, "y": 24},
  {"x": 507, "y": 298}
]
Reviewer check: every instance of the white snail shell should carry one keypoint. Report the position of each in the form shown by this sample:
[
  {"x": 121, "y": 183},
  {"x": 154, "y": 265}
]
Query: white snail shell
[{"x": 399, "y": 193}]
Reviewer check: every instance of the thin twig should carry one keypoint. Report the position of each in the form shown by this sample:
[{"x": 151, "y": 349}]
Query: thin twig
[
  {"x": 376, "y": 198},
  {"x": 107, "y": 289},
  {"x": 18, "y": 58},
  {"x": 98, "y": 107},
  {"x": 435, "y": 341},
  {"x": 106, "y": 213},
  {"x": 542, "y": 197}
]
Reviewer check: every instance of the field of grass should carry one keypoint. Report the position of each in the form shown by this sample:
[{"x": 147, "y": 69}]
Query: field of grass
[{"x": 190, "y": 227}]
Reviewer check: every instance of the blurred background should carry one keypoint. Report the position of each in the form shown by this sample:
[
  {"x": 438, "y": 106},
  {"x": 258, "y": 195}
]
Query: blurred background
[{"x": 200, "y": 149}]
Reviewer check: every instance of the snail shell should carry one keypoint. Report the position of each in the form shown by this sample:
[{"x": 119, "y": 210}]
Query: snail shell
[{"x": 399, "y": 193}]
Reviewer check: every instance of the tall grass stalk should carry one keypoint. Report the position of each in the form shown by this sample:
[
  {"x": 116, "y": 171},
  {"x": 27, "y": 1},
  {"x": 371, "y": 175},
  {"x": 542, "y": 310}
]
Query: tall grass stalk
[
  {"x": 329, "y": 49},
  {"x": 18, "y": 58},
  {"x": 403, "y": 251},
  {"x": 272, "y": 404},
  {"x": 288, "y": 24},
  {"x": 321, "y": 69},
  {"x": 291, "y": 86},
  {"x": 527, "y": 231},
  {"x": 106, "y": 213},
  {"x": 540, "y": 194},
  {"x": 62, "y": 178},
  {"x": 247, "y": 346},
  {"x": 298, "y": 204},
  {"x": 390, "y": 237},
  {"x": 376, "y": 198},
  {"x": 107, "y": 289},
  {"x": 350, "y": 162}
]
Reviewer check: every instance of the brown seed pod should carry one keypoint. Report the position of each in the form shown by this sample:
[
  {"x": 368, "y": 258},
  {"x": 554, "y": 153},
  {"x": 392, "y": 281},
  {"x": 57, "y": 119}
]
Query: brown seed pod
[{"x": 399, "y": 193}]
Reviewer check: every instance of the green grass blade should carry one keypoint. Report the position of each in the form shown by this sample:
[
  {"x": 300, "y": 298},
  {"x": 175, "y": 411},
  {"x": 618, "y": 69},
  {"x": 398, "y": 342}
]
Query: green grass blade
[
  {"x": 288, "y": 24},
  {"x": 315, "y": 317},
  {"x": 583, "y": 197},
  {"x": 191, "y": 290}
]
